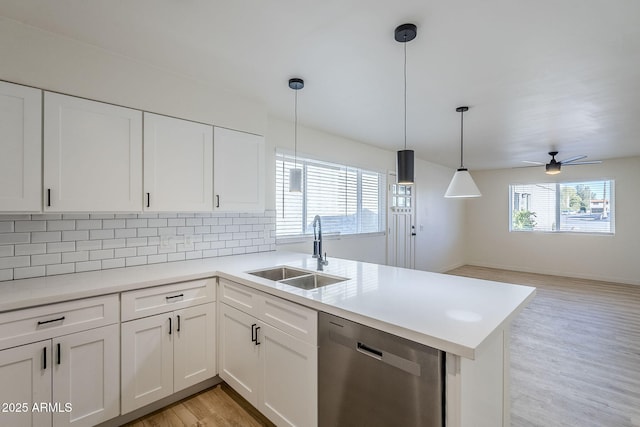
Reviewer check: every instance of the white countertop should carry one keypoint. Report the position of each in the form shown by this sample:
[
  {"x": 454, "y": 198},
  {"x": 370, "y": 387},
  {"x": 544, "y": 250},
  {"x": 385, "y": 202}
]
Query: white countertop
[{"x": 451, "y": 313}]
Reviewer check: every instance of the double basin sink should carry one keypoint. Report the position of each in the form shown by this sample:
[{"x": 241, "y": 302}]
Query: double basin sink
[{"x": 299, "y": 278}]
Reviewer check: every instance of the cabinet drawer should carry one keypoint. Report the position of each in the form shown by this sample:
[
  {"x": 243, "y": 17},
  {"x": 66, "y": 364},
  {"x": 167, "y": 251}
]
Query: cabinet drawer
[
  {"x": 38, "y": 323},
  {"x": 289, "y": 317},
  {"x": 240, "y": 297},
  {"x": 161, "y": 299}
]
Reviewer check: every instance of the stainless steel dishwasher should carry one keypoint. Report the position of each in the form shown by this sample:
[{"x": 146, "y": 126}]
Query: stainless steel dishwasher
[{"x": 370, "y": 378}]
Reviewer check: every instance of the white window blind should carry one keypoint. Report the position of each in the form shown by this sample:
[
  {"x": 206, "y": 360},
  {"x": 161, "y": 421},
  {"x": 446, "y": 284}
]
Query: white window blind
[
  {"x": 575, "y": 207},
  {"x": 349, "y": 200}
]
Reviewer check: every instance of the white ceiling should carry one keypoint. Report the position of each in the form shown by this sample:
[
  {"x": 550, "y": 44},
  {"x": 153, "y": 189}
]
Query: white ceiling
[{"x": 537, "y": 74}]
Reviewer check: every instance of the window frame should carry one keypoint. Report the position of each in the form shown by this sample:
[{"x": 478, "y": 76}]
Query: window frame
[
  {"x": 558, "y": 208},
  {"x": 303, "y": 162}
]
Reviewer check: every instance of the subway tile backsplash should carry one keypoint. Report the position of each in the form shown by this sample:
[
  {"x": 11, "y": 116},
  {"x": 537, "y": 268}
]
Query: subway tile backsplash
[{"x": 50, "y": 244}]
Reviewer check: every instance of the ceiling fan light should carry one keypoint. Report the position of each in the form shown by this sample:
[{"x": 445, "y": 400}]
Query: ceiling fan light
[
  {"x": 552, "y": 168},
  {"x": 404, "y": 167},
  {"x": 462, "y": 185}
]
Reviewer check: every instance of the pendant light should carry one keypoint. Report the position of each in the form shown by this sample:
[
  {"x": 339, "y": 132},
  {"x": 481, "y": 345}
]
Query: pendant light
[
  {"x": 295, "y": 174},
  {"x": 404, "y": 166},
  {"x": 462, "y": 184}
]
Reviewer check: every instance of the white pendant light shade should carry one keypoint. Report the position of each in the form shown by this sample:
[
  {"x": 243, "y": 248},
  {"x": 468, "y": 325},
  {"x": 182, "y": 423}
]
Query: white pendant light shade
[
  {"x": 462, "y": 185},
  {"x": 295, "y": 180}
]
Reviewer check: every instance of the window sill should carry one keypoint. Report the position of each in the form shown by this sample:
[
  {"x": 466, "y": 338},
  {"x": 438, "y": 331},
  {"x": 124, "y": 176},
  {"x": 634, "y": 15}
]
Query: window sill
[{"x": 336, "y": 236}]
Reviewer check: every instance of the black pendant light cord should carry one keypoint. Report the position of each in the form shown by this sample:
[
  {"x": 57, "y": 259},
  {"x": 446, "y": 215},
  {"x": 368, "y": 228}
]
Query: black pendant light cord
[
  {"x": 461, "y": 110},
  {"x": 461, "y": 139},
  {"x": 405, "y": 93},
  {"x": 295, "y": 133}
]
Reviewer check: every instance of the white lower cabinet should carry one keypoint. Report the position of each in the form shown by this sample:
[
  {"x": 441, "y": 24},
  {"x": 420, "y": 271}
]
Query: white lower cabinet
[
  {"x": 239, "y": 355},
  {"x": 194, "y": 355},
  {"x": 67, "y": 381},
  {"x": 147, "y": 361},
  {"x": 25, "y": 375},
  {"x": 289, "y": 378},
  {"x": 273, "y": 370},
  {"x": 60, "y": 364},
  {"x": 166, "y": 353},
  {"x": 85, "y": 375}
]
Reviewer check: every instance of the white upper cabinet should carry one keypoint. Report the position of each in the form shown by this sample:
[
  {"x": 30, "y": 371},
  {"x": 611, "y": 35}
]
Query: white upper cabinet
[
  {"x": 92, "y": 156},
  {"x": 20, "y": 148},
  {"x": 178, "y": 165},
  {"x": 238, "y": 171}
]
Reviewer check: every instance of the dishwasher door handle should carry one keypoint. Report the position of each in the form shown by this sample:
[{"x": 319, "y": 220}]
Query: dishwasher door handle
[
  {"x": 369, "y": 351},
  {"x": 409, "y": 366}
]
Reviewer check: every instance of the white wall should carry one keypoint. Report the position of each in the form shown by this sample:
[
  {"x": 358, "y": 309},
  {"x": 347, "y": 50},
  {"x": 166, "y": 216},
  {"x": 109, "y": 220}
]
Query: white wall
[
  {"x": 603, "y": 257},
  {"x": 38, "y": 58},
  {"x": 439, "y": 244},
  {"x": 440, "y": 222}
]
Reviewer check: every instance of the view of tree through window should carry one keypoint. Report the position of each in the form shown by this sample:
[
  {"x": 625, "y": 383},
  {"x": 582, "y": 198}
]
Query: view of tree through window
[
  {"x": 579, "y": 207},
  {"x": 349, "y": 200}
]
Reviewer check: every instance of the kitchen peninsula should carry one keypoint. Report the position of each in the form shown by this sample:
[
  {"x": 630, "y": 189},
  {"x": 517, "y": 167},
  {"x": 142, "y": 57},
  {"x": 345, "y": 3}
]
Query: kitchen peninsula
[{"x": 466, "y": 318}]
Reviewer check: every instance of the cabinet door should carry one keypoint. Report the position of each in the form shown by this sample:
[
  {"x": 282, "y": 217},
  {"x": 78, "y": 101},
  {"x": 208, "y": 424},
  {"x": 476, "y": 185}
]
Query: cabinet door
[
  {"x": 147, "y": 360},
  {"x": 194, "y": 347},
  {"x": 20, "y": 148},
  {"x": 25, "y": 378},
  {"x": 238, "y": 171},
  {"x": 92, "y": 156},
  {"x": 239, "y": 355},
  {"x": 289, "y": 382},
  {"x": 86, "y": 375},
  {"x": 178, "y": 165}
]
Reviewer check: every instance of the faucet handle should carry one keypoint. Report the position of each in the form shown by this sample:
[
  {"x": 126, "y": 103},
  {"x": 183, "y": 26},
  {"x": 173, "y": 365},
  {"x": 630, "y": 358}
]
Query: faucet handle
[{"x": 326, "y": 261}]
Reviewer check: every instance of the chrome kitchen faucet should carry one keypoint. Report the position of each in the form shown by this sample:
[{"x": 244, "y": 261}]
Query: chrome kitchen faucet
[{"x": 317, "y": 243}]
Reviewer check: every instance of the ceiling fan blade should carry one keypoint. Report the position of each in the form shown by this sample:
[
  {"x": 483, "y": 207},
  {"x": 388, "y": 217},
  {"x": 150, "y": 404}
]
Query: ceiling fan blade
[
  {"x": 572, "y": 159},
  {"x": 528, "y": 166},
  {"x": 591, "y": 162},
  {"x": 533, "y": 163}
]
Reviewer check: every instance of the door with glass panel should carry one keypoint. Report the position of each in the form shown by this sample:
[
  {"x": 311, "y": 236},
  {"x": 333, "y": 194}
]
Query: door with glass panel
[{"x": 400, "y": 224}]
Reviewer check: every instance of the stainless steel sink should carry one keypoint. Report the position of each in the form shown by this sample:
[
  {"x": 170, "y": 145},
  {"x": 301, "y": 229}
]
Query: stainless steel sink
[
  {"x": 279, "y": 273},
  {"x": 313, "y": 281},
  {"x": 299, "y": 278}
]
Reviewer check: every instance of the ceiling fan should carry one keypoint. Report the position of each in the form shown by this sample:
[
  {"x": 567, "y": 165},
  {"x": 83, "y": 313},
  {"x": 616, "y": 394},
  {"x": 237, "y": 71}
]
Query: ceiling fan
[{"x": 554, "y": 166}]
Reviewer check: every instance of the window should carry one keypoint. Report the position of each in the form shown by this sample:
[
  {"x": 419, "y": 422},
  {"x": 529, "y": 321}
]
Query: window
[
  {"x": 575, "y": 207},
  {"x": 349, "y": 200}
]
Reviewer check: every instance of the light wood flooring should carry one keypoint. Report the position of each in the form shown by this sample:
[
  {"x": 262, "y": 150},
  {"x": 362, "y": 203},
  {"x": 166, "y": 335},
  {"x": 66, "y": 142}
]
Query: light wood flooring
[
  {"x": 575, "y": 352},
  {"x": 575, "y": 360},
  {"x": 219, "y": 406}
]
